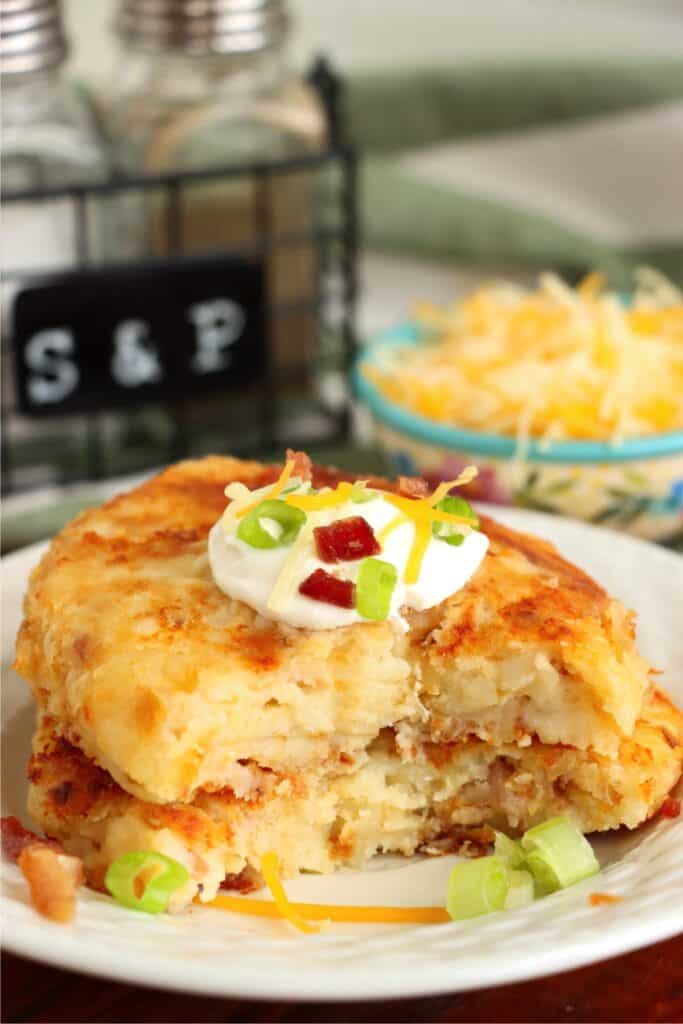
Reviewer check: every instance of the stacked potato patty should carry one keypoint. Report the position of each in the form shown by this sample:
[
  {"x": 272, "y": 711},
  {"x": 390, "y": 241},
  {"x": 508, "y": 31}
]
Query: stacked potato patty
[{"x": 174, "y": 718}]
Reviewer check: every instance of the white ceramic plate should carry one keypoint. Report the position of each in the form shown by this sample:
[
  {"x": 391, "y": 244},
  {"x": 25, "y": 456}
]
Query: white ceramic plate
[{"x": 210, "y": 952}]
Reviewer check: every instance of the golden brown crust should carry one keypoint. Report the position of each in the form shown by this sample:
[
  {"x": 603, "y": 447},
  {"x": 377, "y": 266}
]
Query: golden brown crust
[
  {"x": 395, "y": 800},
  {"x": 138, "y": 656}
]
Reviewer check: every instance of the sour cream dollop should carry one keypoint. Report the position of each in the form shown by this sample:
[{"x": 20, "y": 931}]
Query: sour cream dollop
[{"x": 256, "y": 576}]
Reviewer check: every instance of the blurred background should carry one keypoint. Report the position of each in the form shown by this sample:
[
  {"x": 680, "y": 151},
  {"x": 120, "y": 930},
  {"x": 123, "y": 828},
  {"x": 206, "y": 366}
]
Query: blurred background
[{"x": 207, "y": 206}]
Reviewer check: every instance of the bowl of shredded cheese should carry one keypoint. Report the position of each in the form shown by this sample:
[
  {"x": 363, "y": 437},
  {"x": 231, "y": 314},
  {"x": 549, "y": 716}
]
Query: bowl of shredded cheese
[{"x": 570, "y": 400}]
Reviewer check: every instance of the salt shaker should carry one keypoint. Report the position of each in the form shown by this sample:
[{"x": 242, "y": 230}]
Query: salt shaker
[
  {"x": 206, "y": 85},
  {"x": 50, "y": 140}
]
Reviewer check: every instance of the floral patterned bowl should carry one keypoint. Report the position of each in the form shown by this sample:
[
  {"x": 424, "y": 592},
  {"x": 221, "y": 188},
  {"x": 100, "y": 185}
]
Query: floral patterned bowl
[{"x": 636, "y": 486}]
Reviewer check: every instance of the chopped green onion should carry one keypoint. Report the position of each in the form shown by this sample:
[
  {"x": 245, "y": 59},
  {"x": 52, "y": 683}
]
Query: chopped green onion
[
  {"x": 259, "y": 529},
  {"x": 558, "y": 854},
  {"x": 477, "y": 887},
  {"x": 360, "y": 493},
  {"x": 272, "y": 527},
  {"x": 374, "y": 587},
  {"x": 521, "y": 891},
  {"x": 450, "y": 532},
  {"x": 510, "y": 850},
  {"x": 145, "y": 880}
]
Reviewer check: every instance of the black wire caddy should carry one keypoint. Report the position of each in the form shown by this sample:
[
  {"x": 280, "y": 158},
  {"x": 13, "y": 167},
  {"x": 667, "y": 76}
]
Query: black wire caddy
[{"x": 118, "y": 366}]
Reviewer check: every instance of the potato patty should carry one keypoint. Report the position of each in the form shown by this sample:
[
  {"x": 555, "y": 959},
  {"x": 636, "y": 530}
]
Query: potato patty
[
  {"x": 394, "y": 798},
  {"x": 170, "y": 686}
]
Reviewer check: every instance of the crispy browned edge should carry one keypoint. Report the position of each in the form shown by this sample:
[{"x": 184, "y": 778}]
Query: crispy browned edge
[{"x": 190, "y": 497}]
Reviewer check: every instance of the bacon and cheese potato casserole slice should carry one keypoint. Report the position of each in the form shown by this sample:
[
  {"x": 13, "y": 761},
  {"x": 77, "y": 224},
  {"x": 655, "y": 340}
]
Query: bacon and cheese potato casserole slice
[{"x": 175, "y": 718}]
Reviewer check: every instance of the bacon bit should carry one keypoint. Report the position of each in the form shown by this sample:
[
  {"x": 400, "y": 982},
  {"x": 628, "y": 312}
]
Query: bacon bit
[
  {"x": 346, "y": 540},
  {"x": 248, "y": 880},
  {"x": 412, "y": 486},
  {"x": 671, "y": 808},
  {"x": 321, "y": 586},
  {"x": 463, "y": 840},
  {"x": 15, "y": 838},
  {"x": 602, "y": 899},
  {"x": 53, "y": 879},
  {"x": 303, "y": 467}
]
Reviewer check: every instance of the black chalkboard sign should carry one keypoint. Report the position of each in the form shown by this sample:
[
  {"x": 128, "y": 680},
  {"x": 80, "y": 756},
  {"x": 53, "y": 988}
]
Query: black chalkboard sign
[{"x": 115, "y": 336}]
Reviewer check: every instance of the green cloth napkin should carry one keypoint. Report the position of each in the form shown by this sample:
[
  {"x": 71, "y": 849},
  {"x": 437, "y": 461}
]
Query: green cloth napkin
[{"x": 393, "y": 115}]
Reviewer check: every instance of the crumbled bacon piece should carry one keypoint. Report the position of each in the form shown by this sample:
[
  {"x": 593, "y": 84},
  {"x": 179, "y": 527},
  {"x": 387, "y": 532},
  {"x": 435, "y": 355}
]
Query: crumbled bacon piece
[
  {"x": 671, "y": 808},
  {"x": 321, "y": 586},
  {"x": 412, "y": 486},
  {"x": 53, "y": 879},
  {"x": 15, "y": 837},
  {"x": 303, "y": 467},
  {"x": 248, "y": 880},
  {"x": 346, "y": 540},
  {"x": 463, "y": 840}
]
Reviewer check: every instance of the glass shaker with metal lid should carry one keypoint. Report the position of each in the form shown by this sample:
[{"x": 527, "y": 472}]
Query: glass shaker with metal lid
[
  {"x": 205, "y": 85},
  {"x": 49, "y": 137},
  {"x": 50, "y": 140}
]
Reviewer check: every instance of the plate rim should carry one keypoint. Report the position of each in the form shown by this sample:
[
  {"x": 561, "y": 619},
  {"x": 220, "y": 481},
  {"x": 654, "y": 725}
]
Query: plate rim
[
  {"x": 378, "y": 982},
  {"x": 346, "y": 982}
]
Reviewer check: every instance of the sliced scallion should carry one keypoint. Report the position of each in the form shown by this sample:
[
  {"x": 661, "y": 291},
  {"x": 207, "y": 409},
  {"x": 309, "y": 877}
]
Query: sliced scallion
[
  {"x": 511, "y": 850},
  {"x": 521, "y": 891},
  {"x": 450, "y": 532},
  {"x": 477, "y": 887},
  {"x": 558, "y": 854},
  {"x": 145, "y": 880},
  {"x": 272, "y": 524},
  {"x": 374, "y": 588}
]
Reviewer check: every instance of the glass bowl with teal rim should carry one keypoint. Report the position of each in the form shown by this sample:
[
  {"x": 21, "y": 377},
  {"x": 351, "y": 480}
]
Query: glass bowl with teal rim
[{"x": 636, "y": 486}]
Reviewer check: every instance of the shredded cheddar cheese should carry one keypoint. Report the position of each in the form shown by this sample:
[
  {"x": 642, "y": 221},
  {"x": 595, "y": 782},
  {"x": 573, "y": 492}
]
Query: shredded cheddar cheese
[
  {"x": 270, "y": 869},
  {"x": 326, "y": 499},
  {"x": 333, "y": 912},
  {"x": 466, "y": 477},
  {"x": 390, "y": 527},
  {"x": 300, "y": 914},
  {"x": 275, "y": 491},
  {"x": 290, "y": 572},
  {"x": 419, "y": 509},
  {"x": 421, "y": 512},
  {"x": 555, "y": 363},
  {"x": 423, "y": 535}
]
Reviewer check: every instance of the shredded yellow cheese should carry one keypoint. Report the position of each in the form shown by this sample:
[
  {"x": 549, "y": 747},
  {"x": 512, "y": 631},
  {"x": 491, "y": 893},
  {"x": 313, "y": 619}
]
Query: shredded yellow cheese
[
  {"x": 423, "y": 535},
  {"x": 333, "y": 912},
  {"x": 466, "y": 477},
  {"x": 299, "y": 914},
  {"x": 274, "y": 492},
  {"x": 553, "y": 363},
  {"x": 290, "y": 571},
  {"x": 326, "y": 499},
  {"x": 390, "y": 527},
  {"x": 420, "y": 511},
  {"x": 270, "y": 869}
]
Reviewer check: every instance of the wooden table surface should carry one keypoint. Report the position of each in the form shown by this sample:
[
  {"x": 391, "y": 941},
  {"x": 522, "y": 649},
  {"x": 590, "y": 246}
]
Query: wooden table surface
[{"x": 643, "y": 986}]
